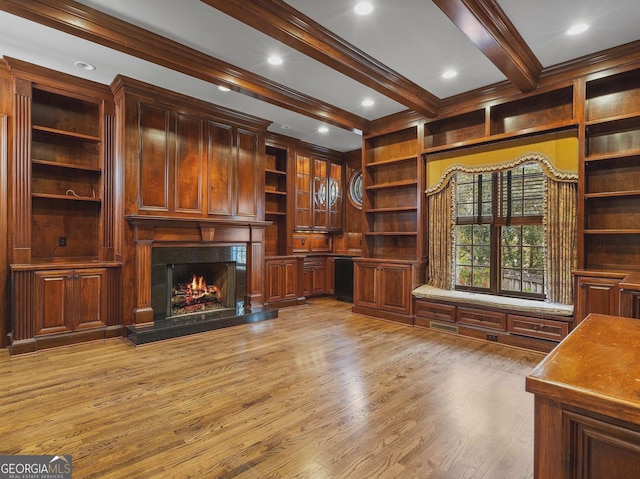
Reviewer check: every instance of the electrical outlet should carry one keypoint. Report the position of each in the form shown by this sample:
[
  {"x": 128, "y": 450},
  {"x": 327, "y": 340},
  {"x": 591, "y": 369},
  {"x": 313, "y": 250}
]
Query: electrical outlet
[
  {"x": 62, "y": 241},
  {"x": 492, "y": 337}
]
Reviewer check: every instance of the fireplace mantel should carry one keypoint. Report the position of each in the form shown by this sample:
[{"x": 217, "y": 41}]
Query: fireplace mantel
[{"x": 163, "y": 231}]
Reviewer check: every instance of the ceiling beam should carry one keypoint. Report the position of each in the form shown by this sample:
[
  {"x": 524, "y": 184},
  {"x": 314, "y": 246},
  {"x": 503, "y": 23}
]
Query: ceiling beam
[
  {"x": 91, "y": 24},
  {"x": 286, "y": 24},
  {"x": 488, "y": 27}
]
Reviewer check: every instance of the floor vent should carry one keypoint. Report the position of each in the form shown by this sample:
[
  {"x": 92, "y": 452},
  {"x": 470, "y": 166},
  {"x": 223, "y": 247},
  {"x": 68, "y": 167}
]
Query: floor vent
[{"x": 445, "y": 328}]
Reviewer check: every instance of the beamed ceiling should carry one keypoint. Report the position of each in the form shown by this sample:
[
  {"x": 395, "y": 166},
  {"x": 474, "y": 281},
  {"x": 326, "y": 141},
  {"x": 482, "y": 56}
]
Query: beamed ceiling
[{"x": 333, "y": 59}]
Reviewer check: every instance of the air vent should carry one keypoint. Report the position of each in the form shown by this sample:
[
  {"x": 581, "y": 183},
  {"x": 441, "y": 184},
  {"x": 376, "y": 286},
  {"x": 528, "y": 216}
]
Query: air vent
[{"x": 445, "y": 328}]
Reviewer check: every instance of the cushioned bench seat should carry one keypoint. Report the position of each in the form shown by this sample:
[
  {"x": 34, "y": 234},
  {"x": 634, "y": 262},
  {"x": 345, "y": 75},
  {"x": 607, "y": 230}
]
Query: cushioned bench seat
[{"x": 466, "y": 298}]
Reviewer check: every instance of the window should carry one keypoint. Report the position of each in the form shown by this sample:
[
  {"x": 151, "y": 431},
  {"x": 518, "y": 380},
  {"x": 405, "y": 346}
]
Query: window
[{"x": 499, "y": 237}]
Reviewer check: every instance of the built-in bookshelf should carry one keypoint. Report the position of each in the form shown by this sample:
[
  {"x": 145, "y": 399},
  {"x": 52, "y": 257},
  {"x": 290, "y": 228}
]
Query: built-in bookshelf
[
  {"x": 610, "y": 168},
  {"x": 543, "y": 111},
  {"x": 391, "y": 196},
  {"x": 66, "y": 176},
  {"x": 276, "y": 197}
]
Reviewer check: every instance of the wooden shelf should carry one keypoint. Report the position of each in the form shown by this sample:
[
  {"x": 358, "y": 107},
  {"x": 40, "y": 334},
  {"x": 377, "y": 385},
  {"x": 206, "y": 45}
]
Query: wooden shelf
[
  {"x": 70, "y": 166},
  {"x": 612, "y": 120},
  {"x": 556, "y": 126},
  {"x": 394, "y": 184},
  {"x": 391, "y": 209},
  {"x": 275, "y": 213},
  {"x": 66, "y": 197},
  {"x": 612, "y": 194},
  {"x": 390, "y": 161},
  {"x": 613, "y": 156},
  {"x": 613, "y": 232},
  {"x": 275, "y": 192},
  {"x": 69, "y": 134},
  {"x": 275, "y": 172}
]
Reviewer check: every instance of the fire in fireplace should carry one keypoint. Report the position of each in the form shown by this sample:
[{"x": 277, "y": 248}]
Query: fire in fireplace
[
  {"x": 195, "y": 282},
  {"x": 199, "y": 287}
]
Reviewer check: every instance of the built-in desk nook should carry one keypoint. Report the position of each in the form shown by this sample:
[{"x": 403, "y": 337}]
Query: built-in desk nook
[{"x": 587, "y": 402}]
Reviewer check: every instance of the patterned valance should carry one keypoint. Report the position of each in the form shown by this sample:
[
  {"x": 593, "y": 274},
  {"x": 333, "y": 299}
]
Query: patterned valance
[{"x": 556, "y": 153}]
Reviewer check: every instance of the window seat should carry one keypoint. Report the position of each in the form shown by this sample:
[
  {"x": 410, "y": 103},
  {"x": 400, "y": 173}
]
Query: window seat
[
  {"x": 517, "y": 305},
  {"x": 526, "y": 323}
]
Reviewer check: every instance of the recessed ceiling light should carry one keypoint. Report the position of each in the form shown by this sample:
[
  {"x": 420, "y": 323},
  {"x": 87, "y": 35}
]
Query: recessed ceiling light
[
  {"x": 578, "y": 29},
  {"x": 323, "y": 129},
  {"x": 275, "y": 60},
  {"x": 367, "y": 102},
  {"x": 223, "y": 88},
  {"x": 363, "y": 8},
  {"x": 285, "y": 127},
  {"x": 450, "y": 74},
  {"x": 84, "y": 66}
]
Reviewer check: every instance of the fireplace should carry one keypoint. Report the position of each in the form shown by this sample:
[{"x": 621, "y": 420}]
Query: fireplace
[{"x": 198, "y": 282}]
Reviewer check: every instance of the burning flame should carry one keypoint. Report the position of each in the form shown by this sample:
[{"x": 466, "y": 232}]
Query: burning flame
[{"x": 199, "y": 286}]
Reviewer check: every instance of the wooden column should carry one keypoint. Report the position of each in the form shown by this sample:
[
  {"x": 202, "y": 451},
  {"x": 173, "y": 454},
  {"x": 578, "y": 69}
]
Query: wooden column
[{"x": 143, "y": 239}]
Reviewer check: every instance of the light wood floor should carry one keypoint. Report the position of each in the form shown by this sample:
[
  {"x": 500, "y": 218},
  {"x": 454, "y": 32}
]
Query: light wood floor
[{"x": 317, "y": 393}]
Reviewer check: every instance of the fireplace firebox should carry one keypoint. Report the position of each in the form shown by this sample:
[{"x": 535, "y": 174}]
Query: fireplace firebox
[{"x": 197, "y": 282}]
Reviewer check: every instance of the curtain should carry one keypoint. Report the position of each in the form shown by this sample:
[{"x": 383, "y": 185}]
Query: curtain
[
  {"x": 441, "y": 210},
  {"x": 561, "y": 223}
]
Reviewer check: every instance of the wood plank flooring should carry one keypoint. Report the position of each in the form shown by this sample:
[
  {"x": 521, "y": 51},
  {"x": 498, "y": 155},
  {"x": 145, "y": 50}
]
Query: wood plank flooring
[{"x": 318, "y": 393}]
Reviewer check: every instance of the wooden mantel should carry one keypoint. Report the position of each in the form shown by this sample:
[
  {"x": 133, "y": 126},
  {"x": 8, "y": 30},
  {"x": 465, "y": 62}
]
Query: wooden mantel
[{"x": 587, "y": 402}]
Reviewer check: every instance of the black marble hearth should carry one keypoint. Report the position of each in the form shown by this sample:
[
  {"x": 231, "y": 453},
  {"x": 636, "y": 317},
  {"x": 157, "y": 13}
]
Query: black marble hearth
[{"x": 183, "y": 326}]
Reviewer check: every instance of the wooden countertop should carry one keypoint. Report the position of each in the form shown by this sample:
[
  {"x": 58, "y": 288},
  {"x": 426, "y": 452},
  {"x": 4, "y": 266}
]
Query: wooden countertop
[{"x": 596, "y": 367}]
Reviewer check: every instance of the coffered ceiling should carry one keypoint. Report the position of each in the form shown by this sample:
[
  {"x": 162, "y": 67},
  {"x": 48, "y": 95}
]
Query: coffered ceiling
[{"x": 333, "y": 59}]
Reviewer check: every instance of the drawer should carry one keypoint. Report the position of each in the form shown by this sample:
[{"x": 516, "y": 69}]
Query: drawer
[
  {"x": 439, "y": 312},
  {"x": 320, "y": 243},
  {"x": 537, "y": 328},
  {"x": 484, "y": 319},
  {"x": 301, "y": 243}
]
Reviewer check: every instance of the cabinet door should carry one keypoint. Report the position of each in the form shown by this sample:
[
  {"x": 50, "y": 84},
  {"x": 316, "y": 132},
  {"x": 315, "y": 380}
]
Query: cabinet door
[
  {"x": 336, "y": 194},
  {"x": 318, "y": 282},
  {"x": 275, "y": 272},
  {"x": 53, "y": 302},
  {"x": 303, "y": 192},
  {"x": 330, "y": 275},
  {"x": 290, "y": 284},
  {"x": 365, "y": 284},
  {"x": 89, "y": 298},
  {"x": 320, "y": 194},
  {"x": 394, "y": 285},
  {"x": 596, "y": 295}
]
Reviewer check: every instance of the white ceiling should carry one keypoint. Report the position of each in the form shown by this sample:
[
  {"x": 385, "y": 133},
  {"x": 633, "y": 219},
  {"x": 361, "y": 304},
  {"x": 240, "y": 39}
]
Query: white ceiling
[{"x": 412, "y": 37}]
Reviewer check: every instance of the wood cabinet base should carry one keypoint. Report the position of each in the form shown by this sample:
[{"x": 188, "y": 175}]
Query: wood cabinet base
[{"x": 54, "y": 340}]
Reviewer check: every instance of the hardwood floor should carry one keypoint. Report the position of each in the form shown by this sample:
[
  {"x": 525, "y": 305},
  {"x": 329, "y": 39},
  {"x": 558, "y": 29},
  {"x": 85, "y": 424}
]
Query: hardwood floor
[{"x": 317, "y": 393}]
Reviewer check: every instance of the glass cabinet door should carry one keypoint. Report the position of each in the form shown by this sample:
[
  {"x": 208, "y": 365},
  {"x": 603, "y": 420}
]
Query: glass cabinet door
[
  {"x": 335, "y": 196},
  {"x": 303, "y": 192},
  {"x": 320, "y": 194}
]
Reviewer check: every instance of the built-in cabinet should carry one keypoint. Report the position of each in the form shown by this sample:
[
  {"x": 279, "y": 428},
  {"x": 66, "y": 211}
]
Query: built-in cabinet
[
  {"x": 382, "y": 287},
  {"x": 610, "y": 168},
  {"x": 609, "y": 196},
  {"x": 70, "y": 300},
  {"x": 63, "y": 260},
  {"x": 392, "y": 196},
  {"x": 319, "y": 192},
  {"x": 276, "y": 199},
  {"x": 282, "y": 285},
  {"x": 393, "y": 248},
  {"x": 596, "y": 293}
]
